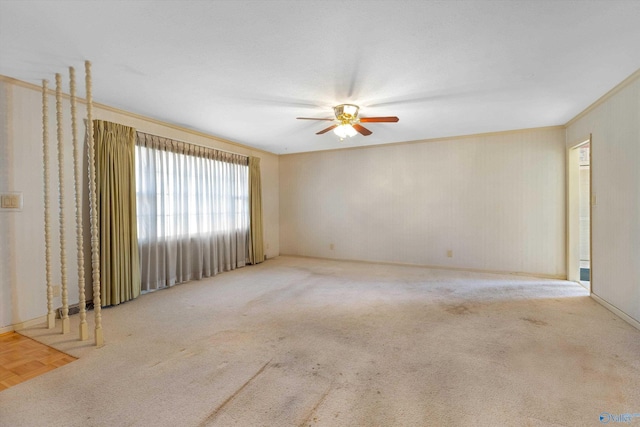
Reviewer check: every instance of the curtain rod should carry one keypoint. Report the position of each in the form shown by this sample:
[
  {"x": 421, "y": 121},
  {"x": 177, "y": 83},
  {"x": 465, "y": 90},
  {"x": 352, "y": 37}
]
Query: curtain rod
[{"x": 192, "y": 143}]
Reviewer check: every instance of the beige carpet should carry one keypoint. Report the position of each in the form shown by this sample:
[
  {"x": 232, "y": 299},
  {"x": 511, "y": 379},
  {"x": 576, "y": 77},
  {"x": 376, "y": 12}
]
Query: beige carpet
[{"x": 297, "y": 341}]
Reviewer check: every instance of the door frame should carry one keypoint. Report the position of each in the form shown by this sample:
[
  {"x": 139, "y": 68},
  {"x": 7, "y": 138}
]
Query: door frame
[{"x": 573, "y": 216}]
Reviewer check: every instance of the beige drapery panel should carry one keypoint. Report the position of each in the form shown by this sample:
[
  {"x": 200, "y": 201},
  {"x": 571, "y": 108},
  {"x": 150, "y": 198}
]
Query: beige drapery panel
[
  {"x": 116, "y": 197},
  {"x": 256, "y": 248}
]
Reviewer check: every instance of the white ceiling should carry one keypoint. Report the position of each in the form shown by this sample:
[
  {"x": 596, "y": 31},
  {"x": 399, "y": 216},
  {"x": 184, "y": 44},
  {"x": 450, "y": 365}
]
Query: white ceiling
[{"x": 244, "y": 70}]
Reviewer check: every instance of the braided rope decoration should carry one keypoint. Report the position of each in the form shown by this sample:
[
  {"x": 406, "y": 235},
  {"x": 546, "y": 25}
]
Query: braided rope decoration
[
  {"x": 95, "y": 250},
  {"x": 83, "y": 331},
  {"x": 51, "y": 317},
  {"x": 63, "y": 253}
]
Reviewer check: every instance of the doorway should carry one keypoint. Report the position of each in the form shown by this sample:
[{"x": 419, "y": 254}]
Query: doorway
[{"x": 579, "y": 214}]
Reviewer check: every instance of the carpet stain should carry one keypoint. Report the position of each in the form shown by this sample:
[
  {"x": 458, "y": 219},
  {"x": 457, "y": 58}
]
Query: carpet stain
[
  {"x": 460, "y": 309},
  {"x": 309, "y": 418},
  {"x": 536, "y": 322},
  {"x": 212, "y": 416}
]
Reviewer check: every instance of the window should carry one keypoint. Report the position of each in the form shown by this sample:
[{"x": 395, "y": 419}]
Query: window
[{"x": 192, "y": 195}]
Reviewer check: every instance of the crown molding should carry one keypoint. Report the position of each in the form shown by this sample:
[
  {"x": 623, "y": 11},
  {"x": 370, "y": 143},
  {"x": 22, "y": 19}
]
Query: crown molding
[{"x": 442, "y": 139}]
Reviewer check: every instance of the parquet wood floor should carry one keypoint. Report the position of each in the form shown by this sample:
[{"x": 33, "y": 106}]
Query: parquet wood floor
[{"x": 22, "y": 358}]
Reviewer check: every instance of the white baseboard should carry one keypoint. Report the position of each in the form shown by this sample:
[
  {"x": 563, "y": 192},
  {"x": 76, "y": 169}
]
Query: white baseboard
[
  {"x": 615, "y": 310},
  {"x": 438, "y": 267}
]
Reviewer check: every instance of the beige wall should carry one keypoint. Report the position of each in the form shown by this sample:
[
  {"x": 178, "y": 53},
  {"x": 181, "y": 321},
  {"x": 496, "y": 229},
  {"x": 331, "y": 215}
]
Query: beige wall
[
  {"x": 497, "y": 201},
  {"x": 22, "y": 272},
  {"x": 615, "y": 155}
]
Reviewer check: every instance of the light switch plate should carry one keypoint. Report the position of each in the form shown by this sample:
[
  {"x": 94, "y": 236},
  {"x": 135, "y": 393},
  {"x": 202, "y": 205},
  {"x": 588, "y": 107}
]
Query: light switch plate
[{"x": 11, "y": 201}]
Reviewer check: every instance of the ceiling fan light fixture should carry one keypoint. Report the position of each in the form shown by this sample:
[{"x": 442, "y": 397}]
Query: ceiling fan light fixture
[
  {"x": 345, "y": 131},
  {"x": 346, "y": 114}
]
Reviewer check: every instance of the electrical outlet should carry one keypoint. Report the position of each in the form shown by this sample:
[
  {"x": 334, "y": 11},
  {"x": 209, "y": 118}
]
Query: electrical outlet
[
  {"x": 449, "y": 253},
  {"x": 331, "y": 246},
  {"x": 56, "y": 290}
]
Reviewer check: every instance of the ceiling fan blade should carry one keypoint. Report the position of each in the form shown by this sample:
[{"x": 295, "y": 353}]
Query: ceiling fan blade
[
  {"x": 363, "y": 130},
  {"x": 391, "y": 119},
  {"x": 326, "y": 130},
  {"x": 311, "y": 118}
]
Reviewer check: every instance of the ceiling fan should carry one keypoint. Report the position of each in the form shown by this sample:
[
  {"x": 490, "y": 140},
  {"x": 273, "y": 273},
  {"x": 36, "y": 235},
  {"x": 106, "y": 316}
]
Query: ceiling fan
[{"x": 348, "y": 122}]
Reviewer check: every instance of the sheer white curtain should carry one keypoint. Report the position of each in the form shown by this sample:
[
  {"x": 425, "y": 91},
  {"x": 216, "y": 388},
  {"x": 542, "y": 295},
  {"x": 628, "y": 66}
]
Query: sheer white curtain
[{"x": 193, "y": 211}]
